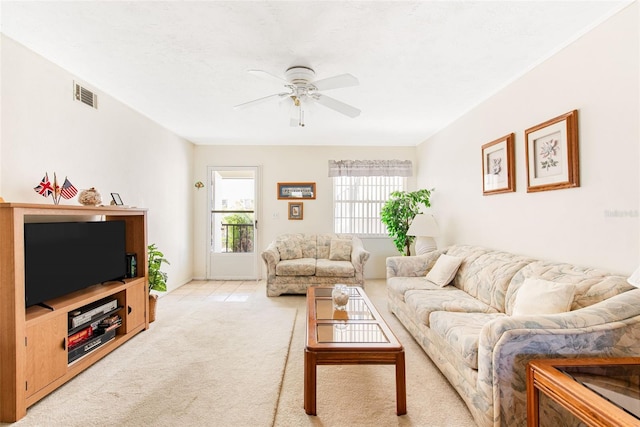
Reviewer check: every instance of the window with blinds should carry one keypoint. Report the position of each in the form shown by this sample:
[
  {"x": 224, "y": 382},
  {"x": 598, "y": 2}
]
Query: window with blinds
[{"x": 357, "y": 201}]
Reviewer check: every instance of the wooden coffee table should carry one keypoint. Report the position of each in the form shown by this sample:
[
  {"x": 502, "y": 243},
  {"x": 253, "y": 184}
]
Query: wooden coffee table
[{"x": 356, "y": 336}]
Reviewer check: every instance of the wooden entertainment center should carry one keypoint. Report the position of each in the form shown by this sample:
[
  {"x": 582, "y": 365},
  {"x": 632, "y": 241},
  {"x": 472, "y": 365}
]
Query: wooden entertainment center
[{"x": 33, "y": 341}]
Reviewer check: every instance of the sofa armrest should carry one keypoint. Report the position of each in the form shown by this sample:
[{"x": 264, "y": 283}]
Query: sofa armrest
[
  {"x": 412, "y": 266},
  {"x": 271, "y": 257},
  {"x": 610, "y": 328},
  {"x": 359, "y": 256}
]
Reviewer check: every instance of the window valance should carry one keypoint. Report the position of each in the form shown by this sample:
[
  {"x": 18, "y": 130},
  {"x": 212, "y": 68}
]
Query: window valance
[{"x": 370, "y": 168}]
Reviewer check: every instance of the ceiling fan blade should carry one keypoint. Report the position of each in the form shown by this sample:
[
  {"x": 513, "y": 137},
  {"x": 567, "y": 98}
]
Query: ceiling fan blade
[
  {"x": 336, "y": 82},
  {"x": 267, "y": 75},
  {"x": 336, "y": 105},
  {"x": 259, "y": 100}
]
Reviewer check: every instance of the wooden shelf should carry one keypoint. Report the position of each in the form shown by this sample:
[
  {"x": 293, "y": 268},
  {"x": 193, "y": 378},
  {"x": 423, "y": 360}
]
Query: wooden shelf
[{"x": 33, "y": 360}]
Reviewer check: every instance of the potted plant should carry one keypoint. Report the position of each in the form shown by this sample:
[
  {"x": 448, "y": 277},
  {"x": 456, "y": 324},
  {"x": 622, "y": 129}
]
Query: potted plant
[
  {"x": 157, "y": 278},
  {"x": 398, "y": 212}
]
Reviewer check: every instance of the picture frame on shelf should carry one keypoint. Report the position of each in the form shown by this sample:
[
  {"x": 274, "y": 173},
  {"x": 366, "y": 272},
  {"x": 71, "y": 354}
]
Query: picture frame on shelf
[
  {"x": 296, "y": 190},
  {"x": 117, "y": 200},
  {"x": 295, "y": 210},
  {"x": 498, "y": 166},
  {"x": 552, "y": 154}
]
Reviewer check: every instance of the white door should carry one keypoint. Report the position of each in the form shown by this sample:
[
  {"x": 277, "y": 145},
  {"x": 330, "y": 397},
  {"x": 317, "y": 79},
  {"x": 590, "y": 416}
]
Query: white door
[{"x": 232, "y": 223}]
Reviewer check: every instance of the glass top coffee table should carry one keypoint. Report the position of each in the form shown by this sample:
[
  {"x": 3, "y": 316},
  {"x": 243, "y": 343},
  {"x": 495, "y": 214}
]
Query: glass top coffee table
[
  {"x": 355, "y": 336},
  {"x": 599, "y": 391}
]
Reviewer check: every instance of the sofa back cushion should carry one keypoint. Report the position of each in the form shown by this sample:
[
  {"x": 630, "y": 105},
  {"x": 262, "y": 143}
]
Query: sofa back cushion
[
  {"x": 296, "y": 245},
  {"x": 486, "y": 274},
  {"x": 591, "y": 285},
  {"x": 308, "y": 244},
  {"x": 468, "y": 254},
  {"x": 289, "y": 249},
  {"x": 323, "y": 245}
]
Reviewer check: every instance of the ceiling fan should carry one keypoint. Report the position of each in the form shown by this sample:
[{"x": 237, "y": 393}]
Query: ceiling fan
[{"x": 302, "y": 88}]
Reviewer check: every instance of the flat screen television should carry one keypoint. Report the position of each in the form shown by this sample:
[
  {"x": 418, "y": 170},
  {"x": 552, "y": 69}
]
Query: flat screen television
[{"x": 64, "y": 257}]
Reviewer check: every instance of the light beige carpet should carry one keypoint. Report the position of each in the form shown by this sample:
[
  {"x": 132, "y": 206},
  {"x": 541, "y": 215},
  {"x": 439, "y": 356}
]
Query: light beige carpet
[
  {"x": 218, "y": 365},
  {"x": 207, "y": 363}
]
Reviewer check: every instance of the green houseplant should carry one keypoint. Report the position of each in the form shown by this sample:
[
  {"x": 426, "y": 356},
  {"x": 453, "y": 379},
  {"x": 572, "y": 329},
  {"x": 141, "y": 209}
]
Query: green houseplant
[
  {"x": 157, "y": 277},
  {"x": 398, "y": 212}
]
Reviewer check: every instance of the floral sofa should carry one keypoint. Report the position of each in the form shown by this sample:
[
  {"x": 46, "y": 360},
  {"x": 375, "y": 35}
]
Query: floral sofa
[
  {"x": 471, "y": 332},
  {"x": 296, "y": 261}
]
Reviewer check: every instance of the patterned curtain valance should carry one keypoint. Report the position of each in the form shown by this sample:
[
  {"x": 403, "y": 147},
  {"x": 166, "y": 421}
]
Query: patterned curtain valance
[{"x": 370, "y": 168}]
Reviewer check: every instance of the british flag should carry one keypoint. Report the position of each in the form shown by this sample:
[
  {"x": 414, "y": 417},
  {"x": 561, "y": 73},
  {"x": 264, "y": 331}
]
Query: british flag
[
  {"x": 44, "y": 188},
  {"x": 68, "y": 190}
]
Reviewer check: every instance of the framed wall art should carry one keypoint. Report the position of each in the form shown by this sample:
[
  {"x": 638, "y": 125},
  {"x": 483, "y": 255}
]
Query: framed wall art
[
  {"x": 552, "y": 154},
  {"x": 498, "y": 166},
  {"x": 295, "y": 210},
  {"x": 296, "y": 190}
]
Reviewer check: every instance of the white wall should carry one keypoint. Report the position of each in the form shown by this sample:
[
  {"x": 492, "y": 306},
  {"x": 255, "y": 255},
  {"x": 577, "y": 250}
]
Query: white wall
[
  {"x": 290, "y": 164},
  {"x": 597, "y": 75},
  {"x": 113, "y": 148}
]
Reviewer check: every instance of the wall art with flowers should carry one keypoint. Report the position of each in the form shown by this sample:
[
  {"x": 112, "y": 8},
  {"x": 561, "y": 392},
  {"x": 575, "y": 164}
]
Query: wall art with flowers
[
  {"x": 498, "y": 166},
  {"x": 552, "y": 154}
]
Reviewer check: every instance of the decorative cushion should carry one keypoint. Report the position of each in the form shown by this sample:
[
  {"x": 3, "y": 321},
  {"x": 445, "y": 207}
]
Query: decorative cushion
[
  {"x": 340, "y": 250},
  {"x": 444, "y": 270},
  {"x": 538, "y": 296},
  {"x": 289, "y": 249}
]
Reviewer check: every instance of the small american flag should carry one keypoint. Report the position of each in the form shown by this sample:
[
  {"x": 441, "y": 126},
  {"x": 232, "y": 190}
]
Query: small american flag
[
  {"x": 68, "y": 190},
  {"x": 44, "y": 188}
]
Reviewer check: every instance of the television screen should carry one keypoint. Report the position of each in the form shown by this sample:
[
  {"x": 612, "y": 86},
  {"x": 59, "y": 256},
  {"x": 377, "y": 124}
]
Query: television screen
[{"x": 63, "y": 257}]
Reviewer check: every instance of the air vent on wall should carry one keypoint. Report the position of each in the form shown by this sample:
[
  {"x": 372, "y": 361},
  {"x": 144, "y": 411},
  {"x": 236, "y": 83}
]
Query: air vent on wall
[{"x": 85, "y": 96}]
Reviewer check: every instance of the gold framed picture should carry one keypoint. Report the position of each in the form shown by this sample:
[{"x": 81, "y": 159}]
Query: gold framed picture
[
  {"x": 295, "y": 210},
  {"x": 498, "y": 166},
  {"x": 296, "y": 190},
  {"x": 552, "y": 154}
]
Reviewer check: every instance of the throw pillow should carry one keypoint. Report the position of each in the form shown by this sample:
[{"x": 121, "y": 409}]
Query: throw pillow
[
  {"x": 444, "y": 270},
  {"x": 340, "y": 250},
  {"x": 538, "y": 296},
  {"x": 289, "y": 249}
]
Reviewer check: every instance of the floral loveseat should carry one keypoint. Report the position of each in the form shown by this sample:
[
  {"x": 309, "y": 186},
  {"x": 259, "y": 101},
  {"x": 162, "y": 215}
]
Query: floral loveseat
[
  {"x": 473, "y": 334},
  {"x": 296, "y": 261}
]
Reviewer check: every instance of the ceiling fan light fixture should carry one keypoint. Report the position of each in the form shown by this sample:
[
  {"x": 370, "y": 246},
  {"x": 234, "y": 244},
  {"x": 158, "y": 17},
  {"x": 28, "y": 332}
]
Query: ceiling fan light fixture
[
  {"x": 304, "y": 89},
  {"x": 299, "y": 75}
]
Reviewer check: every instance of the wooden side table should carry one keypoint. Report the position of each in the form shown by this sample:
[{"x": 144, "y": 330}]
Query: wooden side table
[{"x": 572, "y": 383}]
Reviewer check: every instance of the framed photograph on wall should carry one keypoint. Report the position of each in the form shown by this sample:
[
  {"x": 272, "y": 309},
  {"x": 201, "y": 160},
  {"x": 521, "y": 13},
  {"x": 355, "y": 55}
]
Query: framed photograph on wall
[
  {"x": 296, "y": 190},
  {"x": 498, "y": 166},
  {"x": 552, "y": 154},
  {"x": 295, "y": 210}
]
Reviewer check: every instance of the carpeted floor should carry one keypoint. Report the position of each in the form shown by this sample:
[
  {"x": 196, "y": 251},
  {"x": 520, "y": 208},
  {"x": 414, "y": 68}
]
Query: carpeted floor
[
  {"x": 219, "y": 364},
  {"x": 210, "y": 363}
]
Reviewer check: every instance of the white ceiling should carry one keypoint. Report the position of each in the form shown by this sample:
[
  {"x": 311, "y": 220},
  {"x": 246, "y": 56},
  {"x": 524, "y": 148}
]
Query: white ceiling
[{"x": 421, "y": 64}]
